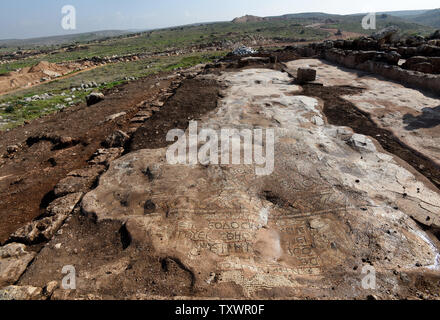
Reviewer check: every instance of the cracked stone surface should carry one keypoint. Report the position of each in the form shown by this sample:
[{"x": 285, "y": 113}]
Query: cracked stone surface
[
  {"x": 14, "y": 259},
  {"x": 21, "y": 293},
  {"x": 410, "y": 114},
  {"x": 334, "y": 202},
  {"x": 78, "y": 180}
]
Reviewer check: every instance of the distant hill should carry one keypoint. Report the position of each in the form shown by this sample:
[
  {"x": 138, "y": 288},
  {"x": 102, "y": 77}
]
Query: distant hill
[
  {"x": 305, "y": 15},
  {"x": 409, "y": 22},
  {"x": 61, "y": 40},
  {"x": 405, "y": 13},
  {"x": 248, "y": 18},
  {"x": 428, "y": 18}
]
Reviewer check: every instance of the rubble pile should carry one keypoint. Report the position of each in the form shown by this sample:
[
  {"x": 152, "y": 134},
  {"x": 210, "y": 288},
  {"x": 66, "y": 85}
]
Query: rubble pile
[{"x": 243, "y": 50}]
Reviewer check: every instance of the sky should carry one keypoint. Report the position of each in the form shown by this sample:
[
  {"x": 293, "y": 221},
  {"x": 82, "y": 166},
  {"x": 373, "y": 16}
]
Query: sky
[{"x": 34, "y": 18}]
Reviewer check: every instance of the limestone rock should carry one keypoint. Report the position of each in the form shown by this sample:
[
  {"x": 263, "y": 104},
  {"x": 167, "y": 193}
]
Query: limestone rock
[
  {"x": 317, "y": 120},
  {"x": 50, "y": 288},
  {"x": 415, "y": 60},
  {"x": 39, "y": 230},
  {"x": 105, "y": 156},
  {"x": 324, "y": 208},
  {"x": 435, "y": 61},
  {"x": 43, "y": 229},
  {"x": 419, "y": 63},
  {"x": 115, "y": 116},
  {"x": 21, "y": 293},
  {"x": 392, "y": 57},
  {"x": 78, "y": 181},
  {"x": 63, "y": 205},
  {"x": 94, "y": 98},
  {"x": 12, "y": 149},
  {"x": 424, "y": 67},
  {"x": 14, "y": 259},
  {"x": 428, "y": 50},
  {"x": 386, "y": 35},
  {"x": 116, "y": 140},
  {"x": 362, "y": 143}
]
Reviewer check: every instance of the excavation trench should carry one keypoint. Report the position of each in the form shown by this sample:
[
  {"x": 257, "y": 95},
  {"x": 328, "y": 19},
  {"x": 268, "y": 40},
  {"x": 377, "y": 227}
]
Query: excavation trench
[
  {"x": 341, "y": 112},
  {"x": 193, "y": 99},
  {"x": 113, "y": 260}
]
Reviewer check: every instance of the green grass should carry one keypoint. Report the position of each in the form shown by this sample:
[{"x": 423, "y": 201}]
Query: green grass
[
  {"x": 12, "y": 66},
  {"x": 353, "y": 24},
  {"x": 190, "y": 61},
  {"x": 180, "y": 37},
  {"x": 283, "y": 30},
  {"x": 108, "y": 76},
  {"x": 186, "y": 36}
]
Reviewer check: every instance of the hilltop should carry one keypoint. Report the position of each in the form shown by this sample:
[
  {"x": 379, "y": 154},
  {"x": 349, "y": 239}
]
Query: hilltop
[
  {"x": 248, "y": 18},
  {"x": 429, "y": 18}
]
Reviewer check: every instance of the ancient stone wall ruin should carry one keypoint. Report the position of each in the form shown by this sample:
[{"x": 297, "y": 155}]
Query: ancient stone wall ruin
[{"x": 414, "y": 62}]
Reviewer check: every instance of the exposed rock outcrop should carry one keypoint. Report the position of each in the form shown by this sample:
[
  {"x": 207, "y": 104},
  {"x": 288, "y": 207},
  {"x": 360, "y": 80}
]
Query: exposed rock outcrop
[
  {"x": 21, "y": 293},
  {"x": 94, "y": 98},
  {"x": 43, "y": 229},
  {"x": 78, "y": 181},
  {"x": 14, "y": 259}
]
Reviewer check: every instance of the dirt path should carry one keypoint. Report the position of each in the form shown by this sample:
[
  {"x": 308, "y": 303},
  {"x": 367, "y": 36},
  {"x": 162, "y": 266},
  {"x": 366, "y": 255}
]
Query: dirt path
[{"x": 177, "y": 113}]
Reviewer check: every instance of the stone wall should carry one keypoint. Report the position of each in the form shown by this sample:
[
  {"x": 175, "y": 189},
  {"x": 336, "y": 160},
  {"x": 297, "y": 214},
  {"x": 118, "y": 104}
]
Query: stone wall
[
  {"x": 365, "y": 61},
  {"x": 414, "y": 62}
]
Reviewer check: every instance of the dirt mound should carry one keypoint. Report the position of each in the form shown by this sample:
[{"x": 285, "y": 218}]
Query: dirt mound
[
  {"x": 45, "y": 66},
  {"x": 26, "y": 77}
]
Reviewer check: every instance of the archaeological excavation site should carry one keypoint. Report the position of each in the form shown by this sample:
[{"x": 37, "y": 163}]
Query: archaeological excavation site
[{"x": 272, "y": 170}]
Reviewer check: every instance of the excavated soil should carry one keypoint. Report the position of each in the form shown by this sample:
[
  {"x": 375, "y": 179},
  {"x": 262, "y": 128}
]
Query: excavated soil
[
  {"x": 129, "y": 270},
  {"x": 30, "y": 76},
  {"x": 28, "y": 177},
  {"x": 194, "y": 98}
]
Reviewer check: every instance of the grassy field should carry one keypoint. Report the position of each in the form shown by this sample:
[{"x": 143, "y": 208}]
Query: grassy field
[
  {"x": 353, "y": 24},
  {"x": 187, "y": 36},
  {"x": 180, "y": 37},
  {"x": 17, "y": 109}
]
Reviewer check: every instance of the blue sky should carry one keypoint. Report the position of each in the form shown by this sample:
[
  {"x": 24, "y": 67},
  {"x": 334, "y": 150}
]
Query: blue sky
[{"x": 33, "y": 18}]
